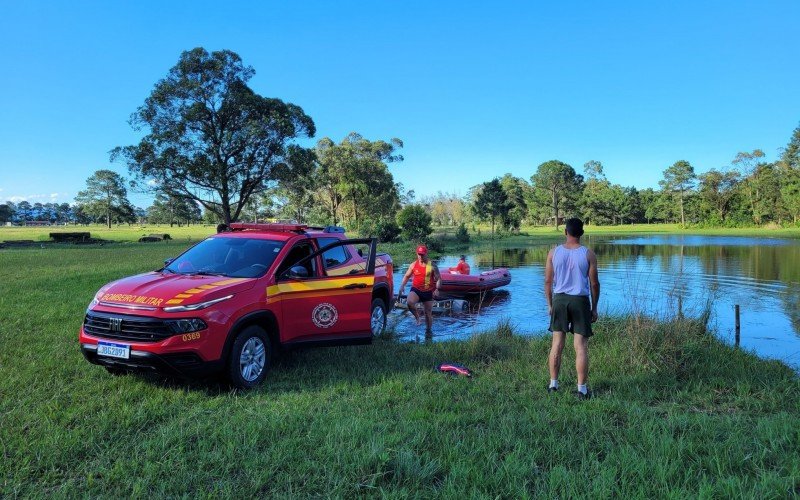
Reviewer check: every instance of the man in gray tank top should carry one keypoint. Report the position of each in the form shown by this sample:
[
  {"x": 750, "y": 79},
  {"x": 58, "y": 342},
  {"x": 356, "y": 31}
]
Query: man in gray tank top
[{"x": 570, "y": 277}]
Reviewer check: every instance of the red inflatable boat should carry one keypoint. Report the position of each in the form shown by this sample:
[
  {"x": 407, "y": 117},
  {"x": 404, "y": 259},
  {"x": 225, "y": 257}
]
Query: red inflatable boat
[{"x": 463, "y": 284}]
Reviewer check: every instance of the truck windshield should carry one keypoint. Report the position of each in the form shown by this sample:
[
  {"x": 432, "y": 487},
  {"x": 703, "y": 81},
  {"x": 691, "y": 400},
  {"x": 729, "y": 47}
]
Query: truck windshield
[{"x": 232, "y": 257}]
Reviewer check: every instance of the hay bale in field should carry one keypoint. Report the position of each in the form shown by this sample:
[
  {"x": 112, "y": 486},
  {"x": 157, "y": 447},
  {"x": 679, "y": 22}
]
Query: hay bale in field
[
  {"x": 72, "y": 237},
  {"x": 156, "y": 237}
]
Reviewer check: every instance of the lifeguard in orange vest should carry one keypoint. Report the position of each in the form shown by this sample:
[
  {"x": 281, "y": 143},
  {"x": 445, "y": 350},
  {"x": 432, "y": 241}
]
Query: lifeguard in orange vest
[{"x": 425, "y": 280}]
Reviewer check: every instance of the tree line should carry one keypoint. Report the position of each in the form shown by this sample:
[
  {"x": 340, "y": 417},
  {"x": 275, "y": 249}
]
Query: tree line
[{"x": 748, "y": 192}]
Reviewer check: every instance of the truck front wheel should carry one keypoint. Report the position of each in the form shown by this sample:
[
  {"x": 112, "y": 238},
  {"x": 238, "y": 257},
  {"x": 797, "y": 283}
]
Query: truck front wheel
[
  {"x": 377, "y": 317},
  {"x": 250, "y": 358}
]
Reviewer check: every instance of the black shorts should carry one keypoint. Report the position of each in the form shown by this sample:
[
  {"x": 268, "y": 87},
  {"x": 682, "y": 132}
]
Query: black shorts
[
  {"x": 423, "y": 296},
  {"x": 571, "y": 313}
]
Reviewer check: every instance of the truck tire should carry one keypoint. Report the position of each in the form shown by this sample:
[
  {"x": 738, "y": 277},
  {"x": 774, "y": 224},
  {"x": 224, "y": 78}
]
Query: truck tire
[
  {"x": 250, "y": 358},
  {"x": 377, "y": 317}
]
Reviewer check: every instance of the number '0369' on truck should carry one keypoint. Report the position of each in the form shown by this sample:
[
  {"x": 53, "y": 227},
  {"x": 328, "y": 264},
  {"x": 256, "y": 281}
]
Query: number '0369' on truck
[{"x": 231, "y": 302}]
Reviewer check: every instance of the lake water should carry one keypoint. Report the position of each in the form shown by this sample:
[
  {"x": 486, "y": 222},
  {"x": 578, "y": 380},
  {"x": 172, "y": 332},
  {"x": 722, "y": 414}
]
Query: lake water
[{"x": 657, "y": 275}]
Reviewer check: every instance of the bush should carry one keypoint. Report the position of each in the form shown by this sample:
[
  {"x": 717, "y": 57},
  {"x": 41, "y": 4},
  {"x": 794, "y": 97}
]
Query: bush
[
  {"x": 462, "y": 235},
  {"x": 386, "y": 231},
  {"x": 414, "y": 222},
  {"x": 434, "y": 244}
]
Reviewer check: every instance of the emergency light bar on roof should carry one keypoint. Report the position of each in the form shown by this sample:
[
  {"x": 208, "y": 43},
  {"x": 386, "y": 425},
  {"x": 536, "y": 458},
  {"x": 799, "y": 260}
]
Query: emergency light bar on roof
[
  {"x": 283, "y": 228},
  {"x": 276, "y": 228}
]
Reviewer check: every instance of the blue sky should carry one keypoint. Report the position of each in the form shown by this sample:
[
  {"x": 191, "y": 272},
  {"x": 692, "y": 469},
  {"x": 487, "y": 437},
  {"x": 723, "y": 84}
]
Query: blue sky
[{"x": 473, "y": 89}]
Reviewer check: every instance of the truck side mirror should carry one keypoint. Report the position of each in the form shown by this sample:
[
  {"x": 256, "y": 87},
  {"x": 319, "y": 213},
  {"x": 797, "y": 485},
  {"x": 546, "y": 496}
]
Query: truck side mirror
[
  {"x": 168, "y": 261},
  {"x": 298, "y": 272}
]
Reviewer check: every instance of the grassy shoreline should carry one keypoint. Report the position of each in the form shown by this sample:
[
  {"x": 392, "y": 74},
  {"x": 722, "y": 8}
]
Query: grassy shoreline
[{"x": 676, "y": 412}]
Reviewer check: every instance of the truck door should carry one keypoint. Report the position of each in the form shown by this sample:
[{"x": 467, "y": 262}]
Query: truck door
[{"x": 320, "y": 307}]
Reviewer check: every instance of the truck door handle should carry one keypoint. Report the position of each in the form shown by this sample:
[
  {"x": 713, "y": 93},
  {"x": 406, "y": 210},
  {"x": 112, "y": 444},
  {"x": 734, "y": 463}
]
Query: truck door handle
[{"x": 355, "y": 285}]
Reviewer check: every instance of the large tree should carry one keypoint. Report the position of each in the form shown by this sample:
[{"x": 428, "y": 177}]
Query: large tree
[
  {"x": 790, "y": 192},
  {"x": 790, "y": 156},
  {"x": 353, "y": 179},
  {"x": 717, "y": 192},
  {"x": 105, "y": 197},
  {"x": 790, "y": 176},
  {"x": 765, "y": 186},
  {"x": 747, "y": 165},
  {"x": 210, "y": 137},
  {"x": 596, "y": 200},
  {"x": 516, "y": 191},
  {"x": 491, "y": 202},
  {"x": 679, "y": 179},
  {"x": 558, "y": 183}
]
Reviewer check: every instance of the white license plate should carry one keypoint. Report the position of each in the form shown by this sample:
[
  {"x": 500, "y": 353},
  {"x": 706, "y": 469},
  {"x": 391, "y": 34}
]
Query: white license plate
[{"x": 113, "y": 350}]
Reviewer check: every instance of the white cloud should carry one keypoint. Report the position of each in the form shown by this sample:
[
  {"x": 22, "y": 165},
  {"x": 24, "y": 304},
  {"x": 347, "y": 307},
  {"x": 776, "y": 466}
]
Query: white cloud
[
  {"x": 33, "y": 198},
  {"x": 152, "y": 183}
]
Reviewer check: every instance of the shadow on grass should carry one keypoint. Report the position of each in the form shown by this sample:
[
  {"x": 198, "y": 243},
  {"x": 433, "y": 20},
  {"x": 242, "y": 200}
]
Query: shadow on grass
[{"x": 311, "y": 369}]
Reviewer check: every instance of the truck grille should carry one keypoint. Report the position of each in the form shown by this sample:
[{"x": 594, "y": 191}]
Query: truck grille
[{"x": 124, "y": 327}]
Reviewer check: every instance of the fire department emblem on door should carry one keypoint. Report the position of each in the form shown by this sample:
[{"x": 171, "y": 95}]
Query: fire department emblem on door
[{"x": 324, "y": 315}]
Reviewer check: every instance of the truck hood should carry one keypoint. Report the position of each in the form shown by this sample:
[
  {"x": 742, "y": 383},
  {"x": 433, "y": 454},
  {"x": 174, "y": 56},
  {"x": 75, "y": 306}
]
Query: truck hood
[{"x": 155, "y": 289}]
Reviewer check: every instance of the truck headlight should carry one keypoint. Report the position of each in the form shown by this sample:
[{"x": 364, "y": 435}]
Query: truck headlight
[
  {"x": 195, "y": 307},
  {"x": 186, "y": 325}
]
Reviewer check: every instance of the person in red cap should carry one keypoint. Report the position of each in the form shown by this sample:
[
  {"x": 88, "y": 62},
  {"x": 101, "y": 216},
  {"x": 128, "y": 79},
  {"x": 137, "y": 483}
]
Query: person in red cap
[{"x": 425, "y": 279}]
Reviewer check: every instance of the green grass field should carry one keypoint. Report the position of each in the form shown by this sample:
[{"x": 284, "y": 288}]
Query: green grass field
[
  {"x": 196, "y": 232},
  {"x": 116, "y": 233},
  {"x": 676, "y": 413}
]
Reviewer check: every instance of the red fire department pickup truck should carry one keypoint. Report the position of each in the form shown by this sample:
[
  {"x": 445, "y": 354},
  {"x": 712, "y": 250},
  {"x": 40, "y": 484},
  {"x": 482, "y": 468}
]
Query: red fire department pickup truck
[{"x": 230, "y": 302}]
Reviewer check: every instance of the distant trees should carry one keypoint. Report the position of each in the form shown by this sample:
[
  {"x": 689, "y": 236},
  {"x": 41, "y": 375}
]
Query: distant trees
[
  {"x": 747, "y": 164},
  {"x": 353, "y": 181},
  {"x": 491, "y": 202},
  {"x": 210, "y": 138},
  {"x": 790, "y": 192},
  {"x": 446, "y": 209},
  {"x": 171, "y": 209},
  {"x": 679, "y": 179},
  {"x": 517, "y": 193},
  {"x": 790, "y": 157},
  {"x": 789, "y": 167},
  {"x": 105, "y": 198},
  {"x": 596, "y": 203},
  {"x": 558, "y": 185},
  {"x": 717, "y": 192}
]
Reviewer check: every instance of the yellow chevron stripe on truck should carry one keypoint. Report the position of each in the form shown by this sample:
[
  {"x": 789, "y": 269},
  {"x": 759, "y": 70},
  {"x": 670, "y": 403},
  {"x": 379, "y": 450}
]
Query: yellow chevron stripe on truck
[
  {"x": 179, "y": 298},
  {"x": 318, "y": 288},
  {"x": 361, "y": 266}
]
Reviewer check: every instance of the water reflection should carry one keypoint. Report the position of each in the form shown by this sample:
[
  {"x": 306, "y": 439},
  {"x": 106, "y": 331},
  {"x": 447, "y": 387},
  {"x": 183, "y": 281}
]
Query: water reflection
[{"x": 658, "y": 275}]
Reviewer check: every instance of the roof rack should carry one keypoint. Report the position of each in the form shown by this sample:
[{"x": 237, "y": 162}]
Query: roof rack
[{"x": 275, "y": 228}]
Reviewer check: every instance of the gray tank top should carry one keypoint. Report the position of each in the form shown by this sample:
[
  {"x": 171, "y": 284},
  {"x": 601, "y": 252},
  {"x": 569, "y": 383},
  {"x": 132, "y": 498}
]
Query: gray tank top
[{"x": 571, "y": 269}]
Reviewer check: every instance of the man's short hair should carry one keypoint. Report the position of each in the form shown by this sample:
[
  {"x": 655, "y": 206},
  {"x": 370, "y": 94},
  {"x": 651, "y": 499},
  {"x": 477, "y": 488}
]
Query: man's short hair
[{"x": 574, "y": 227}]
